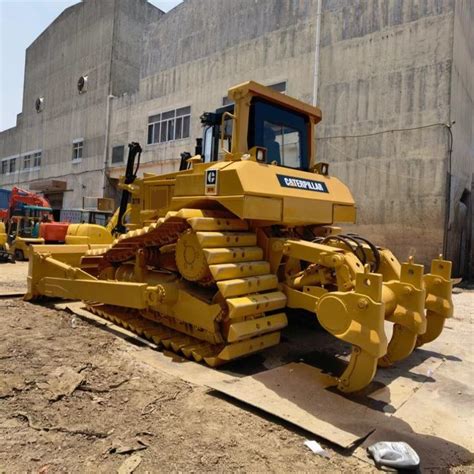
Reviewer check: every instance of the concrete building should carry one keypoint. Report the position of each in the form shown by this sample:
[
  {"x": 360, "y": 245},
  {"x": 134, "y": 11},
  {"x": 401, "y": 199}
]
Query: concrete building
[
  {"x": 390, "y": 76},
  {"x": 60, "y": 141}
]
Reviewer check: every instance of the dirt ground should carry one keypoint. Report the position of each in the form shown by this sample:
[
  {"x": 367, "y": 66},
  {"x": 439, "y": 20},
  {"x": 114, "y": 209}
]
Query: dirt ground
[{"x": 72, "y": 399}]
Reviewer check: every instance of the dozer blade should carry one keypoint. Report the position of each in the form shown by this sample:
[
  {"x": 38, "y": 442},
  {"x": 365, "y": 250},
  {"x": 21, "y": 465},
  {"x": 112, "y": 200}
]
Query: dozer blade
[
  {"x": 439, "y": 303},
  {"x": 358, "y": 318}
]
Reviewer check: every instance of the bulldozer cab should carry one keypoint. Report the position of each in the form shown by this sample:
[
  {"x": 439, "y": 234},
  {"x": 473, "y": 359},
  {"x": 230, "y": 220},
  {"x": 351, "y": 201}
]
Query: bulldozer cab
[{"x": 280, "y": 126}]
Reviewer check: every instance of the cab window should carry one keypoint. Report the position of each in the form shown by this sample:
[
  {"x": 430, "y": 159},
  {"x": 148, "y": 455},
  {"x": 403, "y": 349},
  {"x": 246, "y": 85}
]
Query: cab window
[
  {"x": 282, "y": 132},
  {"x": 282, "y": 144}
]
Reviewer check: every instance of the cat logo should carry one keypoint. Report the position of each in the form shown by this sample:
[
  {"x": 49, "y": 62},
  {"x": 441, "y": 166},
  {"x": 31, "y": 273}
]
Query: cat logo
[{"x": 211, "y": 182}]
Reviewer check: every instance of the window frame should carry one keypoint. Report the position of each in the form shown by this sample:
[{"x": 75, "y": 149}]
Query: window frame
[
  {"x": 37, "y": 158},
  {"x": 77, "y": 149},
  {"x": 262, "y": 110},
  {"x": 10, "y": 162},
  {"x": 117, "y": 163},
  {"x": 27, "y": 158},
  {"x": 30, "y": 161},
  {"x": 4, "y": 167},
  {"x": 169, "y": 126}
]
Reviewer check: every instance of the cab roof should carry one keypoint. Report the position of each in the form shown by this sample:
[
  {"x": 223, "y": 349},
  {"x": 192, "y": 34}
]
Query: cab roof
[{"x": 254, "y": 89}]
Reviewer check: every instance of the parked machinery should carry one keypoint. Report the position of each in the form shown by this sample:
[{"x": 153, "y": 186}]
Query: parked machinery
[
  {"x": 28, "y": 221},
  {"x": 79, "y": 226},
  {"x": 5, "y": 255},
  {"x": 22, "y": 218},
  {"x": 214, "y": 253}
]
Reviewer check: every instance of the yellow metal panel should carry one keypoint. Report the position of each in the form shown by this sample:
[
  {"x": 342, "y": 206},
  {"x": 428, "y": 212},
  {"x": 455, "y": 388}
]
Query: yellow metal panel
[
  {"x": 300, "y": 211},
  {"x": 261, "y": 180},
  {"x": 255, "y": 304},
  {"x": 226, "y": 239},
  {"x": 316, "y": 291},
  {"x": 264, "y": 208},
  {"x": 88, "y": 234},
  {"x": 314, "y": 252},
  {"x": 227, "y": 271},
  {"x": 255, "y": 327},
  {"x": 211, "y": 223},
  {"x": 232, "y": 254},
  {"x": 129, "y": 295},
  {"x": 251, "y": 88},
  {"x": 190, "y": 185},
  {"x": 195, "y": 213},
  {"x": 299, "y": 299},
  {"x": 239, "y": 349},
  {"x": 70, "y": 254},
  {"x": 344, "y": 213},
  {"x": 243, "y": 286},
  {"x": 252, "y": 190},
  {"x": 190, "y": 309}
]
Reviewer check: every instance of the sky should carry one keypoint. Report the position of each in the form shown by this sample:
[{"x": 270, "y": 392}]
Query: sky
[{"x": 21, "y": 22}]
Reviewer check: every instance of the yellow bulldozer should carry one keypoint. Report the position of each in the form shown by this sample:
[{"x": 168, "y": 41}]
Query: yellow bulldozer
[{"x": 213, "y": 255}]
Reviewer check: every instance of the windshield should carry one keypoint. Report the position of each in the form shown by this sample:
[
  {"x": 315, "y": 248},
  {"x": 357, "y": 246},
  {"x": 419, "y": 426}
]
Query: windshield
[
  {"x": 208, "y": 142},
  {"x": 282, "y": 132},
  {"x": 212, "y": 147}
]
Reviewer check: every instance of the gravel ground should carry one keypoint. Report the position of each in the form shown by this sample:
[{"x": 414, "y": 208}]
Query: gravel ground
[{"x": 72, "y": 399}]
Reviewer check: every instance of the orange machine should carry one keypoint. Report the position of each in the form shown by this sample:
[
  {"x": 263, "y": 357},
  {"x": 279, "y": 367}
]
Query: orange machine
[
  {"x": 54, "y": 232},
  {"x": 19, "y": 198}
]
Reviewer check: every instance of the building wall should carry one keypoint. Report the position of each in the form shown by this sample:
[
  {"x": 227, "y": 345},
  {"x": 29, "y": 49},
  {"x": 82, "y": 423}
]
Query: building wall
[
  {"x": 385, "y": 91},
  {"x": 460, "y": 247},
  {"x": 384, "y": 67},
  {"x": 392, "y": 75},
  {"x": 77, "y": 43},
  {"x": 85, "y": 40},
  {"x": 131, "y": 19},
  {"x": 191, "y": 58}
]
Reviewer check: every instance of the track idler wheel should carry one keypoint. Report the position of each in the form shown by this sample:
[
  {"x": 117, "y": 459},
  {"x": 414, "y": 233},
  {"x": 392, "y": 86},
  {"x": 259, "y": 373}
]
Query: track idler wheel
[
  {"x": 190, "y": 258},
  {"x": 358, "y": 318}
]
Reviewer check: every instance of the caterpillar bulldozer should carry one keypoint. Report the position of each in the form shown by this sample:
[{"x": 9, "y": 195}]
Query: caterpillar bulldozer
[{"x": 213, "y": 255}]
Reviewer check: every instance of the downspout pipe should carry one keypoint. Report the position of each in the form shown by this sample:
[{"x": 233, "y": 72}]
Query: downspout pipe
[
  {"x": 447, "y": 215},
  {"x": 106, "y": 139},
  {"x": 316, "y": 52}
]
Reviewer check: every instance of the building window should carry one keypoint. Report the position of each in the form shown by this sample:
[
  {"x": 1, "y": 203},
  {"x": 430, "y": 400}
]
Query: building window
[
  {"x": 117, "y": 154},
  {"x": 27, "y": 162},
  {"x": 169, "y": 126},
  {"x": 12, "y": 165},
  {"x": 77, "y": 149},
  {"x": 278, "y": 87},
  {"x": 4, "y": 166},
  {"x": 37, "y": 159},
  {"x": 30, "y": 160}
]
